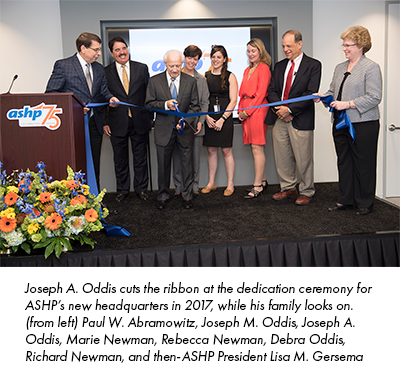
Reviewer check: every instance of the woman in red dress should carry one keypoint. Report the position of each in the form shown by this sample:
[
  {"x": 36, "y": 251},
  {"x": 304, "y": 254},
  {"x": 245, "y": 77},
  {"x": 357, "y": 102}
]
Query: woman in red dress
[{"x": 253, "y": 92}]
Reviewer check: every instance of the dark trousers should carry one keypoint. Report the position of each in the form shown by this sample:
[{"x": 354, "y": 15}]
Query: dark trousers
[
  {"x": 95, "y": 144},
  {"x": 120, "y": 146},
  {"x": 357, "y": 164},
  {"x": 164, "y": 157}
]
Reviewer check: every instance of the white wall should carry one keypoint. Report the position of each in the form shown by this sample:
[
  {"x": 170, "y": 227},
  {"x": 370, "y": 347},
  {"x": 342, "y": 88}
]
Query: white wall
[
  {"x": 30, "y": 43},
  {"x": 330, "y": 19}
]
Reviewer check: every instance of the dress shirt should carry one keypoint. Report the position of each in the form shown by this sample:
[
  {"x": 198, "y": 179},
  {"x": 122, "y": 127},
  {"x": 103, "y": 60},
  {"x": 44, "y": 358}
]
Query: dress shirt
[
  {"x": 83, "y": 63},
  {"x": 297, "y": 63},
  {"x": 177, "y": 80},
  {"x": 119, "y": 70}
]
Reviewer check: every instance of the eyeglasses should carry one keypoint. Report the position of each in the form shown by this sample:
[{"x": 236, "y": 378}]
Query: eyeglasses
[
  {"x": 96, "y": 50},
  {"x": 348, "y": 45}
]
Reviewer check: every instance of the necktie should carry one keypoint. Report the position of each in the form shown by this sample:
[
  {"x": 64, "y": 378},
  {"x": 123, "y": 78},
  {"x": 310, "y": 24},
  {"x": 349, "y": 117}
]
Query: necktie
[
  {"x": 89, "y": 78},
  {"x": 173, "y": 89},
  {"x": 288, "y": 84},
  {"x": 339, "y": 96},
  {"x": 125, "y": 82}
]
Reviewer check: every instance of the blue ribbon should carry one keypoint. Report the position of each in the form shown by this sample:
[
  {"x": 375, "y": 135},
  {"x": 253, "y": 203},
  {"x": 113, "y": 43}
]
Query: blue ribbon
[
  {"x": 111, "y": 230},
  {"x": 343, "y": 119}
]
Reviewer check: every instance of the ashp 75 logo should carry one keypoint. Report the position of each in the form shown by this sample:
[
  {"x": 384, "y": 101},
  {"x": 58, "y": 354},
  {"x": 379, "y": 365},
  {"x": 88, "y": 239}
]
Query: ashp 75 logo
[{"x": 40, "y": 115}]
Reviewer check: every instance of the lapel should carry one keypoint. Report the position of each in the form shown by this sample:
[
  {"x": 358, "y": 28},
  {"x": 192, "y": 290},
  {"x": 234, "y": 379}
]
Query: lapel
[
  {"x": 164, "y": 84},
  {"x": 302, "y": 69},
  {"x": 182, "y": 86},
  {"x": 117, "y": 79},
  {"x": 79, "y": 70}
]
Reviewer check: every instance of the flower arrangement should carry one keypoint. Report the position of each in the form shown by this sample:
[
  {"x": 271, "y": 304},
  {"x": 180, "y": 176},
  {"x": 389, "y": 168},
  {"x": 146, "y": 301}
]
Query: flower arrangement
[{"x": 37, "y": 212}]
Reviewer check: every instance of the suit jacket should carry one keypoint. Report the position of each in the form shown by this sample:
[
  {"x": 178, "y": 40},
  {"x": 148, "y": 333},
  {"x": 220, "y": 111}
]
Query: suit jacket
[
  {"x": 306, "y": 82},
  {"x": 363, "y": 87},
  {"x": 158, "y": 93},
  {"x": 68, "y": 76},
  {"x": 117, "y": 118}
]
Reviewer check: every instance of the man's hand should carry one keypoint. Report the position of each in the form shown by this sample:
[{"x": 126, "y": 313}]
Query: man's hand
[
  {"x": 85, "y": 110},
  {"x": 107, "y": 130},
  {"x": 282, "y": 112},
  {"x": 170, "y": 104},
  {"x": 113, "y": 101},
  {"x": 178, "y": 126}
]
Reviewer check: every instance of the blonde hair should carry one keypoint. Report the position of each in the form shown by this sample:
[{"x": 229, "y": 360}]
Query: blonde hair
[
  {"x": 265, "y": 57},
  {"x": 360, "y": 36}
]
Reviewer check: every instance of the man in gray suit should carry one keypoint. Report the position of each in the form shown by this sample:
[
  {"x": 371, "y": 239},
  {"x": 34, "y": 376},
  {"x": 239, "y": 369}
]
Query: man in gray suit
[{"x": 163, "y": 90}]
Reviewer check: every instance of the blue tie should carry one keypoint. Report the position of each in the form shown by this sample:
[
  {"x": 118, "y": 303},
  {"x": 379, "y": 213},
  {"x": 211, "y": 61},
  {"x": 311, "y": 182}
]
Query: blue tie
[{"x": 173, "y": 89}]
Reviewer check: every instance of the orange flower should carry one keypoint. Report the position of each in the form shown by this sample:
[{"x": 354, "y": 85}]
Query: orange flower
[
  {"x": 71, "y": 184},
  {"x": 36, "y": 212},
  {"x": 91, "y": 215},
  {"x": 10, "y": 198},
  {"x": 82, "y": 199},
  {"x": 44, "y": 197},
  {"x": 7, "y": 224},
  {"x": 53, "y": 221}
]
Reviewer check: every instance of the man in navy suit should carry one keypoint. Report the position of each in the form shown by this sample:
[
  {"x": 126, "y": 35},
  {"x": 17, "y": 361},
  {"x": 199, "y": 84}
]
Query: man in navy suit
[
  {"x": 165, "y": 89},
  {"x": 128, "y": 80},
  {"x": 85, "y": 78},
  {"x": 293, "y": 124}
]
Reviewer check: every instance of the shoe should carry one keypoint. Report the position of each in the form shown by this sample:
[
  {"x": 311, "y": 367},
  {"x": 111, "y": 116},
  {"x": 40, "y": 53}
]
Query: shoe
[
  {"x": 196, "y": 194},
  {"x": 121, "y": 197},
  {"x": 285, "y": 194},
  {"x": 228, "y": 192},
  {"x": 208, "y": 190},
  {"x": 177, "y": 195},
  {"x": 161, "y": 204},
  {"x": 143, "y": 196},
  {"x": 340, "y": 207},
  {"x": 363, "y": 211},
  {"x": 264, "y": 184},
  {"x": 188, "y": 204},
  {"x": 254, "y": 192},
  {"x": 302, "y": 200}
]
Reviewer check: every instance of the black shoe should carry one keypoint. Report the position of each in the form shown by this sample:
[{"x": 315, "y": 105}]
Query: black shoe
[
  {"x": 196, "y": 194},
  {"x": 254, "y": 193},
  {"x": 177, "y": 195},
  {"x": 143, "y": 196},
  {"x": 188, "y": 204},
  {"x": 363, "y": 211},
  {"x": 161, "y": 204},
  {"x": 121, "y": 197},
  {"x": 340, "y": 207}
]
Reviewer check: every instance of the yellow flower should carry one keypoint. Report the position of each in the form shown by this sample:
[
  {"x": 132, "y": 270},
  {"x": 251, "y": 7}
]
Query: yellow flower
[
  {"x": 9, "y": 213},
  {"x": 32, "y": 228},
  {"x": 86, "y": 189},
  {"x": 13, "y": 189}
]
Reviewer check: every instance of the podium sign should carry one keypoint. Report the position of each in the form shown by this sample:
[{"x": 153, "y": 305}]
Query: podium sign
[{"x": 42, "y": 127}]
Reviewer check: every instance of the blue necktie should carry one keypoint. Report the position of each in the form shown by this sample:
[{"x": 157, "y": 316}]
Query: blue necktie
[{"x": 173, "y": 89}]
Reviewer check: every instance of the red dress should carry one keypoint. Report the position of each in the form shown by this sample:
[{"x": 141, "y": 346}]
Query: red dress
[{"x": 253, "y": 92}]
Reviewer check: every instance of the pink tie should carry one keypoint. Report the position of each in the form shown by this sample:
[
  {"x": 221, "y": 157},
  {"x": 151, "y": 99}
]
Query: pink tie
[{"x": 288, "y": 84}]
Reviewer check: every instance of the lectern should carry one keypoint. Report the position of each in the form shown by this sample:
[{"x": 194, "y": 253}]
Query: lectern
[{"x": 42, "y": 127}]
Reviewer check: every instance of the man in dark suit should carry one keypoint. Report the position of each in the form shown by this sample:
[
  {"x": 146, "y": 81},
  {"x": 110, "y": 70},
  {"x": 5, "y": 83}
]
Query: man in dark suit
[
  {"x": 293, "y": 130},
  {"x": 83, "y": 76},
  {"x": 163, "y": 91},
  {"x": 128, "y": 80}
]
